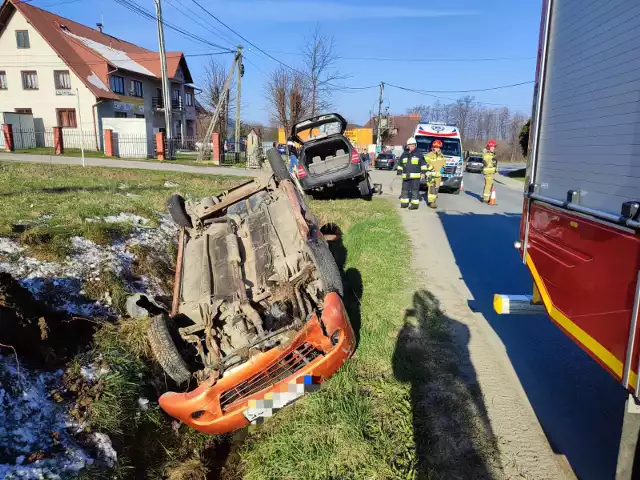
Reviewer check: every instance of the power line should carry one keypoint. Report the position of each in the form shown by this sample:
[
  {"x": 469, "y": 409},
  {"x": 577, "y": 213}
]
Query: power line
[
  {"x": 478, "y": 89},
  {"x": 396, "y": 59},
  {"x": 138, "y": 9},
  {"x": 264, "y": 52},
  {"x": 419, "y": 92},
  {"x": 194, "y": 17}
]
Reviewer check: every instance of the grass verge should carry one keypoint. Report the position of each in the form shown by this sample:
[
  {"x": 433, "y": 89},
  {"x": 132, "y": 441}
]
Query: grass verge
[{"x": 45, "y": 205}]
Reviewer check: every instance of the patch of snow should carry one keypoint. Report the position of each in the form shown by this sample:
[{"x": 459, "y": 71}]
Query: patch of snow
[
  {"x": 105, "y": 449},
  {"x": 117, "y": 57},
  {"x": 33, "y": 422},
  {"x": 123, "y": 186},
  {"x": 169, "y": 184},
  {"x": 121, "y": 218},
  {"x": 94, "y": 80},
  {"x": 61, "y": 284},
  {"x": 9, "y": 246},
  {"x": 143, "y": 403}
]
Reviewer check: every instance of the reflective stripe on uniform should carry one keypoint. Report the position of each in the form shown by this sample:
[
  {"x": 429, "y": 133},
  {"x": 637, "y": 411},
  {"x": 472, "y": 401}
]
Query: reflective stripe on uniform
[
  {"x": 399, "y": 168},
  {"x": 415, "y": 201},
  {"x": 404, "y": 176},
  {"x": 404, "y": 200},
  {"x": 413, "y": 175},
  {"x": 415, "y": 161},
  {"x": 424, "y": 168},
  {"x": 404, "y": 161}
]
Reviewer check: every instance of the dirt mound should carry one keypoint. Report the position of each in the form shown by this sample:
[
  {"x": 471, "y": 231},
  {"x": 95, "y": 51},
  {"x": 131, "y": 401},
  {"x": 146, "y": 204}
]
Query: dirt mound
[{"x": 42, "y": 337}]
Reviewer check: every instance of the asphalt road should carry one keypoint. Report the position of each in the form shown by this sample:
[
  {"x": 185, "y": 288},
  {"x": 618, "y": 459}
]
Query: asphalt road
[{"x": 578, "y": 404}]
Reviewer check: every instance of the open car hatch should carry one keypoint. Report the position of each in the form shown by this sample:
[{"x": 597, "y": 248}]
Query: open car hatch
[{"x": 319, "y": 127}]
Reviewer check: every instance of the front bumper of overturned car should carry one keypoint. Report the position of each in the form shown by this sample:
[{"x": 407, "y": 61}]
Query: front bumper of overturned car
[{"x": 222, "y": 405}]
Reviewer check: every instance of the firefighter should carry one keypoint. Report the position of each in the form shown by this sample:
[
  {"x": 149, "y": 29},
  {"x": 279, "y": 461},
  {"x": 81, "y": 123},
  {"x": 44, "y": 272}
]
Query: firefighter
[
  {"x": 490, "y": 169},
  {"x": 436, "y": 159},
  {"x": 412, "y": 165}
]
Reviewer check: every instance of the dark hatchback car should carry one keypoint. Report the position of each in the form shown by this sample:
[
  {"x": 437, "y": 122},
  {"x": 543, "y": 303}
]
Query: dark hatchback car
[
  {"x": 327, "y": 159},
  {"x": 385, "y": 161},
  {"x": 475, "y": 164}
]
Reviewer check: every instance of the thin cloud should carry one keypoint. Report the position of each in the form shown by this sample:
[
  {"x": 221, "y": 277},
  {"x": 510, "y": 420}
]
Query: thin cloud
[{"x": 316, "y": 10}]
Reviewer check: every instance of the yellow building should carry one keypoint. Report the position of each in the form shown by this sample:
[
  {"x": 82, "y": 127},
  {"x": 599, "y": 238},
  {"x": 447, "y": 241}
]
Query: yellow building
[{"x": 359, "y": 137}]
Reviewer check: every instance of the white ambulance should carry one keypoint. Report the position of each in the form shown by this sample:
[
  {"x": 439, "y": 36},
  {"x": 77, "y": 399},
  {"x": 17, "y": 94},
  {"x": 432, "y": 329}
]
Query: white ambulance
[{"x": 449, "y": 135}]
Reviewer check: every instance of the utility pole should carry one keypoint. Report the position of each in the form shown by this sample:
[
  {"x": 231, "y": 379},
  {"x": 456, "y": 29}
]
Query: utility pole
[
  {"x": 238, "y": 94},
  {"x": 379, "y": 136},
  {"x": 224, "y": 97},
  {"x": 166, "y": 91}
]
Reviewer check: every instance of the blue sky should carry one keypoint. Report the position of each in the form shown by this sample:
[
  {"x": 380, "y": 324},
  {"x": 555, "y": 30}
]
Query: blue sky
[{"x": 401, "y": 29}]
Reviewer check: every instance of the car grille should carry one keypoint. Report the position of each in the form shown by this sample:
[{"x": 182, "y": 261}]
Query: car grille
[
  {"x": 275, "y": 373},
  {"x": 450, "y": 169}
]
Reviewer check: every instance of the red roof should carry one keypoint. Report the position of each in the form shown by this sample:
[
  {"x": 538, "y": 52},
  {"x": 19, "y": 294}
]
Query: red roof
[
  {"x": 62, "y": 35},
  {"x": 404, "y": 126}
]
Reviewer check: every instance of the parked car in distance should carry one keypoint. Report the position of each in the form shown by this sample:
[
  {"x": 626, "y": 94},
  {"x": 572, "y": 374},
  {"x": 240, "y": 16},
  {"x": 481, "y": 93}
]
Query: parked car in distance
[
  {"x": 475, "y": 164},
  {"x": 326, "y": 158},
  {"x": 257, "y": 306},
  {"x": 385, "y": 161}
]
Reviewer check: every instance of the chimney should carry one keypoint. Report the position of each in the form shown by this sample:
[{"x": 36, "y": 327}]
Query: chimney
[{"x": 99, "y": 25}]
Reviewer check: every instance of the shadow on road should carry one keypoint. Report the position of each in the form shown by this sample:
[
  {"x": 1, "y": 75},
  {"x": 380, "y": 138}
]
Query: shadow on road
[
  {"x": 452, "y": 433},
  {"x": 578, "y": 404},
  {"x": 475, "y": 195}
]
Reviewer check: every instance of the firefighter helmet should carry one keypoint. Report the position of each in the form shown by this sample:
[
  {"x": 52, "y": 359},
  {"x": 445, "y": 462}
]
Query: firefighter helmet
[
  {"x": 436, "y": 144},
  {"x": 411, "y": 141},
  {"x": 491, "y": 143}
]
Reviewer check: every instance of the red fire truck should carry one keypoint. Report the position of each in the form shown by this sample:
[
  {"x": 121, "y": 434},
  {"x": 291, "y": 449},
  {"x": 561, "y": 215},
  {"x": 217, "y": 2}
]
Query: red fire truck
[{"x": 579, "y": 232}]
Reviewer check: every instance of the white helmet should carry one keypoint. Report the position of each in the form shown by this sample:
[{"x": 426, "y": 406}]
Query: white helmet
[
  {"x": 290, "y": 143},
  {"x": 411, "y": 141}
]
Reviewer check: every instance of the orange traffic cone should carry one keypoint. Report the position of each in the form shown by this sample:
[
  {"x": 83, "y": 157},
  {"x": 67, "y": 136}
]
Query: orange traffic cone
[
  {"x": 462, "y": 185},
  {"x": 492, "y": 198}
]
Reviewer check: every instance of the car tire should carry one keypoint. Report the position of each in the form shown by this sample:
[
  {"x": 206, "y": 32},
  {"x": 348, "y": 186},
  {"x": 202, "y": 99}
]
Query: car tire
[
  {"x": 178, "y": 211},
  {"x": 165, "y": 351},
  {"x": 278, "y": 167},
  {"x": 364, "y": 187},
  {"x": 326, "y": 265}
]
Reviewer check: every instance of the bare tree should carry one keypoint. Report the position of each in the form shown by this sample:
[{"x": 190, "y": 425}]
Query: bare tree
[
  {"x": 287, "y": 97},
  {"x": 215, "y": 75},
  {"x": 320, "y": 68}
]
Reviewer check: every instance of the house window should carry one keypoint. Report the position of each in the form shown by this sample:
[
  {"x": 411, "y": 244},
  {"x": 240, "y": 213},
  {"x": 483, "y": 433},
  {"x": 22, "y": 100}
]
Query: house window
[
  {"x": 117, "y": 84},
  {"x": 29, "y": 80},
  {"x": 136, "y": 89},
  {"x": 120, "y": 114},
  {"x": 66, "y": 117},
  {"x": 24, "y": 111},
  {"x": 22, "y": 38},
  {"x": 3, "y": 80},
  {"x": 188, "y": 98},
  {"x": 62, "y": 79}
]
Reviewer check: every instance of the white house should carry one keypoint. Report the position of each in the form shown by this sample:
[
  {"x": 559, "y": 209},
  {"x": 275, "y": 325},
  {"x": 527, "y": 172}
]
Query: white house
[{"x": 44, "y": 58}]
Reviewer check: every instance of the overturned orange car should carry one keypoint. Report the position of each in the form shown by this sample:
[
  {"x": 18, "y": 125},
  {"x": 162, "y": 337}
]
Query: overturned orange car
[{"x": 257, "y": 316}]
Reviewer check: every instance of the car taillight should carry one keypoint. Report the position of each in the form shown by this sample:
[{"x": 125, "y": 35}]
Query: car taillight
[
  {"x": 355, "y": 158},
  {"x": 301, "y": 172}
]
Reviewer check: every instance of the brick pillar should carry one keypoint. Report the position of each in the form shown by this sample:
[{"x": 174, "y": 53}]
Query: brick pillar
[
  {"x": 7, "y": 131},
  {"x": 108, "y": 143},
  {"x": 58, "y": 143},
  {"x": 215, "y": 148},
  {"x": 160, "y": 145}
]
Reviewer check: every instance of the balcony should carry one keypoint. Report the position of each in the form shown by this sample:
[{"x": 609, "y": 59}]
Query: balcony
[{"x": 157, "y": 103}]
